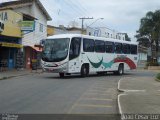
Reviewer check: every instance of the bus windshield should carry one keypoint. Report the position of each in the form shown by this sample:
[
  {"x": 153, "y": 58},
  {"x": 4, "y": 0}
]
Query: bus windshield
[{"x": 55, "y": 50}]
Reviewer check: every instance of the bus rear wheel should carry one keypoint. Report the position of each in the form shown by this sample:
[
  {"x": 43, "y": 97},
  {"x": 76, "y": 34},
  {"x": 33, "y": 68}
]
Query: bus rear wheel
[
  {"x": 61, "y": 75},
  {"x": 84, "y": 71},
  {"x": 120, "y": 69}
]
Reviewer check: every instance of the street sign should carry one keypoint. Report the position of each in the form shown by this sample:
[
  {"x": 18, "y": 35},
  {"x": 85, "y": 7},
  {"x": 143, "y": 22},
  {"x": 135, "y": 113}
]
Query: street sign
[{"x": 27, "y": 25}]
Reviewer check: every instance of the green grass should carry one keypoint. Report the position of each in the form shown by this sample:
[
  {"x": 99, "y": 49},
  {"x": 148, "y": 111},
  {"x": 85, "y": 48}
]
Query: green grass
[
  {"x": 3, "y": 78},
  {"x": 158, "y": 77}
]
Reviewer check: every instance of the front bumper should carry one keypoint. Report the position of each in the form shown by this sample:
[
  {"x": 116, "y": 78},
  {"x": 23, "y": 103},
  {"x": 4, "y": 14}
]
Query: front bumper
[{"x": 47, "y": 67}]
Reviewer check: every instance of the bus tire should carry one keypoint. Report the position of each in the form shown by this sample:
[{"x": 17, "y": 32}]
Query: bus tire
[
  {"x": 120, "y": 69},
  {"x": 61, "y": 75},
  {"x": 84, "y": 71}
]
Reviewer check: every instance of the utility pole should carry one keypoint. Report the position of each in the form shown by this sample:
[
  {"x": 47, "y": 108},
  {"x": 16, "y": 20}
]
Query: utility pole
[{"x": 84, "y": 18}]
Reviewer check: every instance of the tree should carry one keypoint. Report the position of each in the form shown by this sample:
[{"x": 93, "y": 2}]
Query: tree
[
  {"x": 144, "y": 42},
  {"x": 150, "y": 29}
]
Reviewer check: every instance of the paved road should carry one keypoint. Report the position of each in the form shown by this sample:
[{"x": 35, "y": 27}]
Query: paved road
[{"x": 48, "y": 94}]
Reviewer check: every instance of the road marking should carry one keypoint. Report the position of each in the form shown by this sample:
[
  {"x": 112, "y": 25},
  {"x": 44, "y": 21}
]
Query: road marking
[
  {"x": 135, "y": 90},
  {"x": 95, "y": 106},
  {"x": 127, "y": 90},
  {"x": 119, "y": 104},
  {"x": 98, "y": 99},
  {"x": 77, "y": 101},
  {"x": 119, "y": 83}
]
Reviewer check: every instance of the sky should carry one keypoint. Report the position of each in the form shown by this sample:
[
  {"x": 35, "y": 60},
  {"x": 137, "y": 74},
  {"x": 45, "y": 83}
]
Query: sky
[{"x": 120, "y": 15}]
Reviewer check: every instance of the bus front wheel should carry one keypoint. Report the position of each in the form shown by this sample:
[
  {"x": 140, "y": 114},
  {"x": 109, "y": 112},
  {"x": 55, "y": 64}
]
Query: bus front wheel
[
  {"x": 61, "y": 75},
  {"x": 84, "y": 71},
  {"x": 120, "y": 69}
]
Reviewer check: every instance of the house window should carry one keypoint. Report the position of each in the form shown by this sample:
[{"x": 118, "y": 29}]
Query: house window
[
  {"x": 40, "y": 27},
  {"x": 108, "y": 34}
]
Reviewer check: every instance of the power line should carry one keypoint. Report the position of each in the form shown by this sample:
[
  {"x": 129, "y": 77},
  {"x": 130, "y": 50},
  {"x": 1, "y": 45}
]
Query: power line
[
  {"x": 73, "y": 7},
  {"x": 70, "y": 13},
  {"x": 78, "y": 7},
  {"x": 84, "y": 18},
  {"x": 62, "y": 14}
]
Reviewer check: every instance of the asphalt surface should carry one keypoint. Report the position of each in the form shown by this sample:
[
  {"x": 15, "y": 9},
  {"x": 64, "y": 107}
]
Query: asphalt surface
[
  {"x": 141, "y": 96},
  {"x": 46, "y": 93}
]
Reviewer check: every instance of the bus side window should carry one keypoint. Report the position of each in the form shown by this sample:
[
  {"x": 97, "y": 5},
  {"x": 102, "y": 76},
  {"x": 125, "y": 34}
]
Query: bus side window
[
  {"x": 74, "y": 48},
  {"x": 109, "y": 47},
  {"x": 126, "y": 48},
  {"x": 133, "y": 49},
  {"x": 99, "y": 46},
  {"x": 88, "y": 45},
  {"x": 118, "y": 48}
]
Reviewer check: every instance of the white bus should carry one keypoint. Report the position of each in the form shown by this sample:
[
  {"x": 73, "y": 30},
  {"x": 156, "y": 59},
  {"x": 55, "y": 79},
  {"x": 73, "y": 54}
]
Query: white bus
[{"x": 75, "y": 53}]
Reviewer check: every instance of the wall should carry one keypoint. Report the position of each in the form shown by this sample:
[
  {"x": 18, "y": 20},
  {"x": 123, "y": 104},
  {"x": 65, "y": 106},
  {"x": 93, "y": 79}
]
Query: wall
[
  {"x": 142, "y": 56},
  {"x": 75, "y": 32},
  {"x": 25, "y": 10},
  {"x": 142, "y": 59},
  {"x": 11, "y": 22},
  {"x": 62, "y": 30},
  {"x": 34, "y": 38},
  {"x": 50, "y": 31},
  {"x": 37, "y": 13},
  {"x": 59, "y": 31}
]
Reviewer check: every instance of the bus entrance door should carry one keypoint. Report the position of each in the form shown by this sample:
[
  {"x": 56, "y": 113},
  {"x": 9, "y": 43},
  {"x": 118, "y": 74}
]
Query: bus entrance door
[{"x": 74, "y": 53}]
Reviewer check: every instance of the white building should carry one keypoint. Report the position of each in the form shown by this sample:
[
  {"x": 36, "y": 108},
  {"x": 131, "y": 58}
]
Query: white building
[{"x": 105, "y": 32}]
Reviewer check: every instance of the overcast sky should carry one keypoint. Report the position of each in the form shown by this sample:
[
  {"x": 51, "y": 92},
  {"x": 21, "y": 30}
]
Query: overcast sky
[{"x": 120, "y": 15}]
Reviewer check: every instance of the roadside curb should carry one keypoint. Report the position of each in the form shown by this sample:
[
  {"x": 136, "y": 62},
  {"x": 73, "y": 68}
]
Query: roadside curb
[
  {"x": 122, "y": 90},
  {"x": 118, "y": 100},
  {"x": 5, "y": 78},
  {"x": 23, "y": 73},
  {"x": 126, "y": 90}
]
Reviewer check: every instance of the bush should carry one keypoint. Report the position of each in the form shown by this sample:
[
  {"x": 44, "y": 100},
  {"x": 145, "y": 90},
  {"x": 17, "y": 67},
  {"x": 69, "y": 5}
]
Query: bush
[
  {"x": 152, "y": 64},
  {"x": 158, "y": 76}
]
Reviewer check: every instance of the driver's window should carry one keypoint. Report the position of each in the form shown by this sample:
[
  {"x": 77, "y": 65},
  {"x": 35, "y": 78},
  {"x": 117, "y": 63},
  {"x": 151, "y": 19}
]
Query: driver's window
[{"x": 74, "y": 48}]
